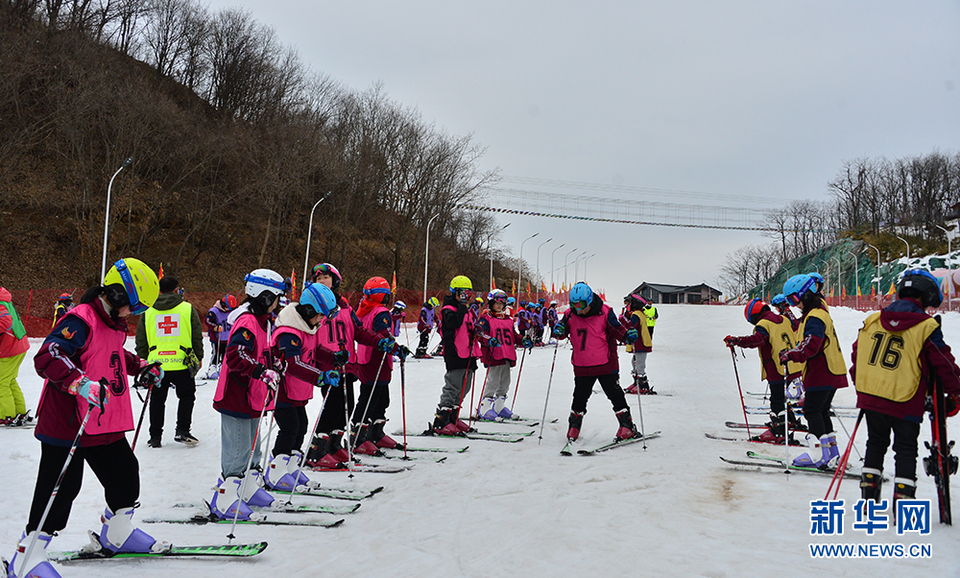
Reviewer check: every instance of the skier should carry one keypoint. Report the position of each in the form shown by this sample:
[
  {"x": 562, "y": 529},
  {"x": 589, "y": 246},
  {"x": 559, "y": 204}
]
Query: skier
[
  {"x": 13, "y": 348},
  {"x": 594, "y": 354},
  {"x": 250, "y": 371},
  {"x": 498, "y": 353},
  {"x": 169, "y": 333},
  {"x": 425, "y": 323},
  {"x": 772, "y": 334},
  {"x": 397, "y": 314},
  {"x": 635, "y": 317},
  {"x": 779, "y": 301},
  {"x": 460, "y": 353},
  {"x": 552, "y": 318},
  {"x": 218, "y": 330},
  {"x": 898, "y": 353},
  {"x": 63, "y": 306},
  {"x": 652, "y": 315},
  {"x": 340, "y": 334},
  {"x": 296, "y": 341},
  {"x": 824, "y": 370},
  {"x": 511, "y": 302},
  {"x": 85, "y": 368},
  {"x": 375, "y": 368}
]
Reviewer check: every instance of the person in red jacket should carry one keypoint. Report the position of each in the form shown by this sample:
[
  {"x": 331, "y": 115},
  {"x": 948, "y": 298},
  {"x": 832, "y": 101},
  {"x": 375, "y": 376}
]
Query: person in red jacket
[
  {"x": 594, "y": 331},
  {"x": 772, "y": 334},
  {"x": 824, "y": 371},
  {"x": 85, "y": 368},
  {"x": 897, "y": 352},
  {"x": 13, "y": 348}
]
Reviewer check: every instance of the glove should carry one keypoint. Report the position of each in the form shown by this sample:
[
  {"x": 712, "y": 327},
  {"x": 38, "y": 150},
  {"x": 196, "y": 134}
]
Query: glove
[
  {"x": 528, "y": 343},
  {"x": 730, "y": 340},
  {"x": 386, "y": 344},
  {"x": 149, "y": 376},
  {"x": 493, "y": 342},
  {"x": 790, "y": 355},
  {"x": 632, "y": 335},
  {"x": 341, "y": 357},
  {"x": 271, "y": 378},
  {"x": 331, "y": 378},
  {"x": 401, "y": 351},
  {"x": 952, "y": 404},
  {"x": 91, "y": 391},
  {"x": 560, "y": 331}
]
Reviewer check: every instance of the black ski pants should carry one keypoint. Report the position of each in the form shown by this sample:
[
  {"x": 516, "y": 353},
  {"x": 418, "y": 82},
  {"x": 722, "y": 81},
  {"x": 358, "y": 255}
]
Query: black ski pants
[
  {"x": 816, "y": 408},
  {"x": 583, "y": 388},
  {"x": 334, "y": 416},
  {"x": 186, "y": 387},
  {"x": 291, "y": 429},
  {"x": 905, "y": 445},
  {"x": 114, "y": 465}
]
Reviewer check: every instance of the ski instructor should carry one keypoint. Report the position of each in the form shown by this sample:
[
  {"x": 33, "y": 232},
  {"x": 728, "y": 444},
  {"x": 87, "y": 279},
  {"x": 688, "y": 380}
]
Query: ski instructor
[{"x": 85, "y": 368}]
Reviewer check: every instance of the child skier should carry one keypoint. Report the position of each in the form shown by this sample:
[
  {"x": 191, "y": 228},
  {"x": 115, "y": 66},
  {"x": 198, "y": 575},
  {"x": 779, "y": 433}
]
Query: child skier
[
  {"x": 641, "y": 347},
  {"x": 296, "y": 342},
  {"x": 460, "y": 353},
  {"x": 772, "y": 335},
  {"x": 425, "y": 323},
  {"x": 63, "y": 306},
  {"x": 85, "y": 368},
  {"x": 824, "y": 371},
  {"x": 779, "y": 301},
  {"x": 13, "y": 348},
  {"x": 898, "y": 352},
  {"x": 396, "y": 315},
  {"x": 596, "y": 331},
  {"x": 250, "y": 371},
  {"x": 218, "y": 330},
  {"x": 498, "y": 353},
  {"x": 341, "y": 334},
  {"x": 375, "y": 368}
]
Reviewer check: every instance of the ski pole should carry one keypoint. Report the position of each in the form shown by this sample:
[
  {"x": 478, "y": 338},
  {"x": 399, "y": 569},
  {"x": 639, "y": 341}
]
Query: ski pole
[
  {"x": 516, "y": 388},
  {"x": 363, "y": 417},
  {"x": 266, "y": 454},
  {"x": 643, "y": 435},
  {"x": 63, "y": 471},
  {"x": 473, "y": 391},
  {"x": 553, "y": 364},
  {"x": 743, "y": 405},
  {"x": 296, "y": 478},
  {"x": 847, "y": 432},
  {"x": 403, "y": 407},
  {"x": 786, "y": 423},
  {"x": 842, "y": 465},
  {"x": 246, "y": 472},
  {"x": 143, "y": 412}
]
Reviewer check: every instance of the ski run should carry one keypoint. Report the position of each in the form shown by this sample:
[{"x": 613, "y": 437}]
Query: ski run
[{"x": 672, "y": 509}]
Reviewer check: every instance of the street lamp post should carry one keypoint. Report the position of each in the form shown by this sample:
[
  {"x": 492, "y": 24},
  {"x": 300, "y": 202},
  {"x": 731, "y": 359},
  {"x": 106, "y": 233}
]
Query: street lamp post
[
  {"x": 856, "y": 270},
  {"x": 552, "y": 270},
  {"x": 878, "y": 270},
  {"x": 538, "y": 264},
  {"x": 576, "y": 265},
  {"x": 106, "y": 219},
  {"x": 585, "y": 266},
  {"x": 520, "y": 266},
  {"x": 490, "y": 243},
  {"x": 566, "y": 267},
  {"x": 426, "y": 257},
  {"x": 306, "y": 258},
  {"x": 839, "y": 282},
  {"x": 950, "y": 274},
  {"x": 905, "y": 242}
]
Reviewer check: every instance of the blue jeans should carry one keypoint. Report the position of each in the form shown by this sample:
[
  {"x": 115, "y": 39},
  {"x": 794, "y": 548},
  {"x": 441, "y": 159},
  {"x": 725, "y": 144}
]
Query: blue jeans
[{"x": 236, "y": 439}]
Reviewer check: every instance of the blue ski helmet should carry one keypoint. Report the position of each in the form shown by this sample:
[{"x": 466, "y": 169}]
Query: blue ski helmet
[
  {"x": 797, "y": 286},
  {"x": 581, "y": 295},
  {"x": 321, "y": 299},
  {"x": 511, "y": 301},
  {"x": 778, "y": 300},
  {"x": 922, "y": 284},
  {"x": 817, "y": 278}
]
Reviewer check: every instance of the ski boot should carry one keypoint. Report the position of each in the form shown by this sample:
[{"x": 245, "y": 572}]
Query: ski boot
[
  {"x": 575, "y": 422},
  {"x": 378, "y": 438},
  {"x": 806, "y": 460},
  {"x": 317, "y": 449},
  {"x": 643, "y": 386},
  {"x": 226, "y": 502},
  {"x": 336, "y": 448},
  {"x": 486, "y": 410},
  {"x": 296, "y": 468},
  {"x": 361, "y": 445},
  {"x": 634, "y": 387},
  {"x": 777, "y": 424},
  {"x": 119, "y": 535},
  {"x": 37, "y": 564},
  {"x": 871, "y": 480},
  {"x": 626, "y": 430},
  {"x": 500, "y": 406},
  {"x": 253, "y": 493},
  {"x": 279, "y": 477},
  {"x": 443, "y": 423},
  {"x": 461, "y": 425},
  {"x": 213, "y": 372},
  {"x": 903, "y": 489}
]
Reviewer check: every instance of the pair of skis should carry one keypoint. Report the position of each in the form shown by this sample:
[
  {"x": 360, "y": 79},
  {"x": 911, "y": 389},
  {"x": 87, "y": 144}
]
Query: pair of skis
[
  {"x": 571, "y": 445},
  {"x": 761, "y": 461},
  {"x": 940, "y": 464}
]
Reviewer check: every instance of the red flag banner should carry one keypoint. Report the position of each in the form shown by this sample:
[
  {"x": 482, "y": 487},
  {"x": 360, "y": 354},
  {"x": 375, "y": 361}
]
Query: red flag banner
[{"x": 160, "y": 274}]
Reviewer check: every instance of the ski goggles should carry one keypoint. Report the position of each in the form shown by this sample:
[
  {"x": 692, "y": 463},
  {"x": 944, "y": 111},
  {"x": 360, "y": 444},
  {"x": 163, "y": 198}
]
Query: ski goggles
[
  {"x": 282, "y": 286},
  {"x": 579, "y": 305},
  {"x": 133, "y": 298}
]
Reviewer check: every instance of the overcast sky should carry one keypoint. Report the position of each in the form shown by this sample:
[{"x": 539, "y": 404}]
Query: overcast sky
[{"x": 730, "y": 99}]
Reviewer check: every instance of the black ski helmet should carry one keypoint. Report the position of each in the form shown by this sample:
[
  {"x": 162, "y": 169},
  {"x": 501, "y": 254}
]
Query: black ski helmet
[{"x": 921, "y": 284}]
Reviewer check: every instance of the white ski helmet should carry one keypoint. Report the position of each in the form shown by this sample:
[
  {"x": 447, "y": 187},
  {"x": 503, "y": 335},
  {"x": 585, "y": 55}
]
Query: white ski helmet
[{"x": 259, "y": 281}]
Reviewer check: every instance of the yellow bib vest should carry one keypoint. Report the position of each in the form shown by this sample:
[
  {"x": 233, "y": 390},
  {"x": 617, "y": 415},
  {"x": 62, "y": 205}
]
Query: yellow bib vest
[
  {"x": 888, "y": 362},
  {"x": 651, "y": 313},
  {"x": 169, "y": 334},
  {"x": 642, "y": 329},
  {"x": 782, "y": 338},
  {"x": 831, "y": 346}
]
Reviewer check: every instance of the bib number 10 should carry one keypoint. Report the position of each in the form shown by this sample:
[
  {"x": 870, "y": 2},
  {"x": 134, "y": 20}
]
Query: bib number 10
[{"x": 887, "y": 349}]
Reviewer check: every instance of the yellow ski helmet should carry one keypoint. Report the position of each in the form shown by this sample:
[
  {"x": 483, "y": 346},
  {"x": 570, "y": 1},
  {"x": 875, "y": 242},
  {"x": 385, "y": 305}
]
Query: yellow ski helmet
[
  {"x": 139, "y": 282},
  {"x": 460, "y": 282}
]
